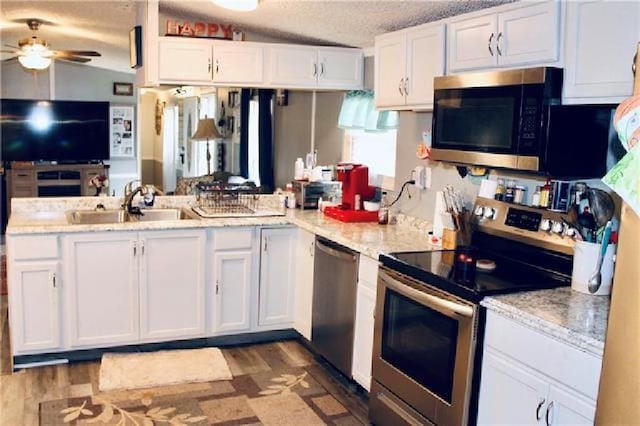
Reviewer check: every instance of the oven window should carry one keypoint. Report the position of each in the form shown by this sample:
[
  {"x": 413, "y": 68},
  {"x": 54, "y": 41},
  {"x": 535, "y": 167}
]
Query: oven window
[
  {"x": 481, "y": 119},
  {"x": 420, "y": 342}
]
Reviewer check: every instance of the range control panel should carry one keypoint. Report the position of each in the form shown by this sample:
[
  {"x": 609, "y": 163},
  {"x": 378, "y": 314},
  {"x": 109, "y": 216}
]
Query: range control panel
[{"x": 529, "y": 225}]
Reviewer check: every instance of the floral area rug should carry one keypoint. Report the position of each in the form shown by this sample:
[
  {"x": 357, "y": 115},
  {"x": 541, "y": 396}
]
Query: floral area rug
[{"x": 279, "y": 398}]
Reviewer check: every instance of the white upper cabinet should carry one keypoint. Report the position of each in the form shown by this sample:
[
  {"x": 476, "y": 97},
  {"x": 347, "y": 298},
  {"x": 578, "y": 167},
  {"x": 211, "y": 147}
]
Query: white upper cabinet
[
  {"x": 527, "y": 34},
  {"x": 405, "y": 64},
  {"x": 601, "y": 40},
  {"x": 185, "y": 60},
  {"x": 238, "y": 63},
  {"x": 315, "y": 67}
]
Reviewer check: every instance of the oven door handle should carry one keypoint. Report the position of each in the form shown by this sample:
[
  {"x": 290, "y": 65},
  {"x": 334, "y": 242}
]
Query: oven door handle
[{"x": 427, "y": 299}]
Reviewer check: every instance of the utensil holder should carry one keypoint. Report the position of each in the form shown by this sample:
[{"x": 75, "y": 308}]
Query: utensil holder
[{"x": 585, "y": 259}]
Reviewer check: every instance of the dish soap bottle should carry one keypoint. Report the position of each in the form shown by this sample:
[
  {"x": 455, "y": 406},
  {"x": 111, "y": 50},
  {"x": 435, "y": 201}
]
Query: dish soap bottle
[
  {"x": 383, "y": 210},
  {"x": 299, "y": 169}
]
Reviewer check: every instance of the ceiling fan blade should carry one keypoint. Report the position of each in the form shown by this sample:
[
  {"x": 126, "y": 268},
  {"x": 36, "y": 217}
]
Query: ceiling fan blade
[
  {"x": 73, "y": 59},
  {"x": 8, "y": 51},
  {"x": 13, "y": 47},
  {"x": 79, "y": 52}
]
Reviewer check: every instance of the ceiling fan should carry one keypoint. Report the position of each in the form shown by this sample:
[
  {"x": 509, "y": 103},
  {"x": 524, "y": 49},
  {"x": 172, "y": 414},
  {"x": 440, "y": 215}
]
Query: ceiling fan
[{"x": 34, "y": 53}]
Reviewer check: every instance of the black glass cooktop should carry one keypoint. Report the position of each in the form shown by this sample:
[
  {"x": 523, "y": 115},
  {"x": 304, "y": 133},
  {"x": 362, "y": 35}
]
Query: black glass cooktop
[{"x": 517, "y": 268}]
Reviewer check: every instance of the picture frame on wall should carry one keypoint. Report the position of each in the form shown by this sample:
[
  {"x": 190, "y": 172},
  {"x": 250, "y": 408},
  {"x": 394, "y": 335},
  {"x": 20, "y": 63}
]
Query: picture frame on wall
[
  {"x": 122, "y": 132},
  {"x": 135, "y": 46},
  {"x": 123, "y": 89}
]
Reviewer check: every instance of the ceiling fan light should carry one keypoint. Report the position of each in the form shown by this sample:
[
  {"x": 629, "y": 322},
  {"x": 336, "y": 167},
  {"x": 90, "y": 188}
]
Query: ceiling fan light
[
  {"x": 34, "y": 62},
  {"x": 238, "y": 5}
]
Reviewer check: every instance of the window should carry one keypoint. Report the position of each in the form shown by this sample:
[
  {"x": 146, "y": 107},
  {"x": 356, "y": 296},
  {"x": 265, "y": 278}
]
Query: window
[{"x": 376, "y": 150}]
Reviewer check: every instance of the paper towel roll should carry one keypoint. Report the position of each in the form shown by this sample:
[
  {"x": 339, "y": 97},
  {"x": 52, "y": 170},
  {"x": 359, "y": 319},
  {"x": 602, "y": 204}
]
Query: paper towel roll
[{"x": 488, "y": 188}]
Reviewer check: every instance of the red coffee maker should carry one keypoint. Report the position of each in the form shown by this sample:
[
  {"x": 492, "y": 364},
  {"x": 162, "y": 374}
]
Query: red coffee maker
[{"x": 355, "y": 181}]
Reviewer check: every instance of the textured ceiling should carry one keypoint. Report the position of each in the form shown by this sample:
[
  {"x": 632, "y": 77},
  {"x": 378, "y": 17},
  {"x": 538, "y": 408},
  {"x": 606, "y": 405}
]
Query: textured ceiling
[{"x": 104, "y": 25}]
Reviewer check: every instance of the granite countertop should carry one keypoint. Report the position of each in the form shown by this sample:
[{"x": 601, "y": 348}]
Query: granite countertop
[{"x": 574, "y": 318}]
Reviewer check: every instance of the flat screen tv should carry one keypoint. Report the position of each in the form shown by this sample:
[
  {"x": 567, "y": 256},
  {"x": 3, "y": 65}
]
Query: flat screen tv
[{"x": 64, "y": 131}]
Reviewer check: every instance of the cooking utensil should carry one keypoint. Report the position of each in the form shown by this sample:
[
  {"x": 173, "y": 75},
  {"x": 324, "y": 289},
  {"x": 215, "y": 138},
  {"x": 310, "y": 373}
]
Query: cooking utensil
[
  {"x": 601, "y": 205},
  {"x": 596, "y": 278}
]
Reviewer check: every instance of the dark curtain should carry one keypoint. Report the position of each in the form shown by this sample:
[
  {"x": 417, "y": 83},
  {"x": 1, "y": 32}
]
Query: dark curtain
[
  {"x": 245, "y": 96},
  {"x": 265, "y": 136},
  {"x": 265, "y": 133}
]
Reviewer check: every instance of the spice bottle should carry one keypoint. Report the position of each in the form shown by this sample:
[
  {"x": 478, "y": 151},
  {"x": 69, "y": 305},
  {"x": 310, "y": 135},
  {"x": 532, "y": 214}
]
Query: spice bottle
[
  {"x": 510, "y": 191},
  {"x": 383, "y": 210},
  {"x": 545, "y": 193},
  {"x": 535, "y": 200},
  {"x": 500, "y": 190}
]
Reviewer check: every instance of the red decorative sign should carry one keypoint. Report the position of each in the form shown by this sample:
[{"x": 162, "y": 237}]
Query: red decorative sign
[{"x": 199, "y": 29}]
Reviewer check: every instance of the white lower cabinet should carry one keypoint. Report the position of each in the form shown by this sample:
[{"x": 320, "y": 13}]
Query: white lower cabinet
[
  {"x": 363, "y": 333},
  {"x": 275, "y": 307},
  {"x": 304, "y": 252},
  {"x": 530, "y": 378},
  {"x": 34, "y": 298},
  {"x": 130, "y": 287},
  {"x": 172, "y": 279}
]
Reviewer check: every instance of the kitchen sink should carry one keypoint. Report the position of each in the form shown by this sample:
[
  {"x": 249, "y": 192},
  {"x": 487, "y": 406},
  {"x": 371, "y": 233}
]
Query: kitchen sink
[
  {"x": 152, "y": 215},
  {"x": 95, "y": 217}
]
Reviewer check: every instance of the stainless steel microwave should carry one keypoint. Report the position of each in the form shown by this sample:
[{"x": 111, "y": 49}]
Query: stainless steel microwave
[{"x": 513, "y": 119}]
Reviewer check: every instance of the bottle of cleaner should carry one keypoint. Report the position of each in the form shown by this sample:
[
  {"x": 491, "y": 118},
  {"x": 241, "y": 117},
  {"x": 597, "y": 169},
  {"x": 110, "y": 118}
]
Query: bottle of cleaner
[{"x": 299, "y": 169}]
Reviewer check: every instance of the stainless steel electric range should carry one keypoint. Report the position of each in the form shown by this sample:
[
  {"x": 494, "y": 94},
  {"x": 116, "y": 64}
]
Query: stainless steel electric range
[{"x": 429, "y": 324}]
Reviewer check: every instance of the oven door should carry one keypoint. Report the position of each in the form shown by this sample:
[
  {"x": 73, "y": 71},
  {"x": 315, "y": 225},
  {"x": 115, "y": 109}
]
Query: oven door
[{"x": 424, "y": 345}]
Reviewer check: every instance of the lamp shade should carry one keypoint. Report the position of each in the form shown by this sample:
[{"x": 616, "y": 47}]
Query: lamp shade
[
  {"x": 206, "y": 130},
  {"x": 238, "y": 5},
  {"x": 34, "y": 62}
]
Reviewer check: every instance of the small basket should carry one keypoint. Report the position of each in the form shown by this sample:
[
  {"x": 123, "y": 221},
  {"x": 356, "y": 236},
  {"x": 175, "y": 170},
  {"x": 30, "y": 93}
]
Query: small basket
[{"x": 222, "y": 198}]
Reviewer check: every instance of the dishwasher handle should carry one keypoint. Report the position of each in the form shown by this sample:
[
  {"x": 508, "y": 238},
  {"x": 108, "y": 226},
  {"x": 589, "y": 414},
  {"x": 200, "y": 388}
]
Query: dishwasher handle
[{"x": 340, "y": 254}]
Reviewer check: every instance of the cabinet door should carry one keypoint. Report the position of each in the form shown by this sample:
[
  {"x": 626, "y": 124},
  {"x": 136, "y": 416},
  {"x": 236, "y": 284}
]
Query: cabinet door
[
  {"x": 276, "y": 277},
  {"x": 472, "y": 43},
  {"x": 305, "y": 248},
  {"x": 238, "y": 63},
  {"x": 363, "y": 335},
  {"x": 601, "y": 40},
  {"x": 390, "y": 70},
  {"x": 568, "y": 408},
  {"x": 101, "y": 278},
  {"x": 425, "y": 60},
  {"x": 293, "y": 66},
  {"x": 340, "y": 68},
  {"x": 529, "y": 34},
  {"x": 184, "y": 61},
  {"x": 34, "y": 301},
  {"x": 172, "y": 284},
  {"x": 233, "y": 271},
  {"x": 509, "y": 392}
]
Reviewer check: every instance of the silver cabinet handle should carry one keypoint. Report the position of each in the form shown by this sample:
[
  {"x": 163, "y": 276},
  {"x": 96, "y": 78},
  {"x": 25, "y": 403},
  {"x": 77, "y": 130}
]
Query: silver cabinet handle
[
  {"x": 53, "y": 278},
  {"x": 322, "y": 69},
  {"x": 209, "y": 67},
  {"x": 217, "y": 286},
  {"x": 135, "y": 248},
  {"x": 489, "y": 44},
  {"x": 406, "y": 85},
  {"x": 311, "y": 250},
  {"x": 400, "y": 86},
  {"x": 217, "y": 67},
  {"x": 538, "y": 414},
  {"x": 315, "y": 70},
  {"x": 266, "y": 240},
  {"x": 498, "y": 43},
  {"x": 633, "y": 65},
  {"x": 142, "y": 248},
  {"x": 547, "y": 419}
]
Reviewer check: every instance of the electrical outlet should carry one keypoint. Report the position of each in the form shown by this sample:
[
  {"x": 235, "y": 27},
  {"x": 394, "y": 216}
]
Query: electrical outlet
[
  {"x": 427, "y": 177},
  {"x": 418, "y": 177}
]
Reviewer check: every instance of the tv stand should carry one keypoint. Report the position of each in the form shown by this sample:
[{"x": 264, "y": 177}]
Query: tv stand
[{"x": 52, "y": 180}]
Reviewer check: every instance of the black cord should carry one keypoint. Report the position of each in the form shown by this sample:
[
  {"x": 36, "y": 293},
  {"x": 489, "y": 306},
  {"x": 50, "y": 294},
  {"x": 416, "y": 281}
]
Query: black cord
[{"x": 404, "y": 185}]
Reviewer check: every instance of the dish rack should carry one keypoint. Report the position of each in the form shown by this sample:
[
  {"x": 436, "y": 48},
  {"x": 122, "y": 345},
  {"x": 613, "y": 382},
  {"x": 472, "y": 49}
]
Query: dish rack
[{"x": 216, "y": 198}]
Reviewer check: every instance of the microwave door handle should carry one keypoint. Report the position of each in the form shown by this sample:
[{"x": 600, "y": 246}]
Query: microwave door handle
[{"x": 442, "y": 305}]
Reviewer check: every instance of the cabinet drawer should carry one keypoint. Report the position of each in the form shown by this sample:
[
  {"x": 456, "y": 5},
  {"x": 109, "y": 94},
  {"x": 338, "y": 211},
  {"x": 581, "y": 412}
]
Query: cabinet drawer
[
  {"x": 34, "y": 247},
  {"x": 229, "y": 239},
  {"x": 574, "y": 368},
  {"x": 23, "y": 176}
]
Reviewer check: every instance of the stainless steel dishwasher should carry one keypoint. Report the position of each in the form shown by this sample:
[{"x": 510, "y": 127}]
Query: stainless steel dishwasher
[{"x": 334, "y": 303}]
